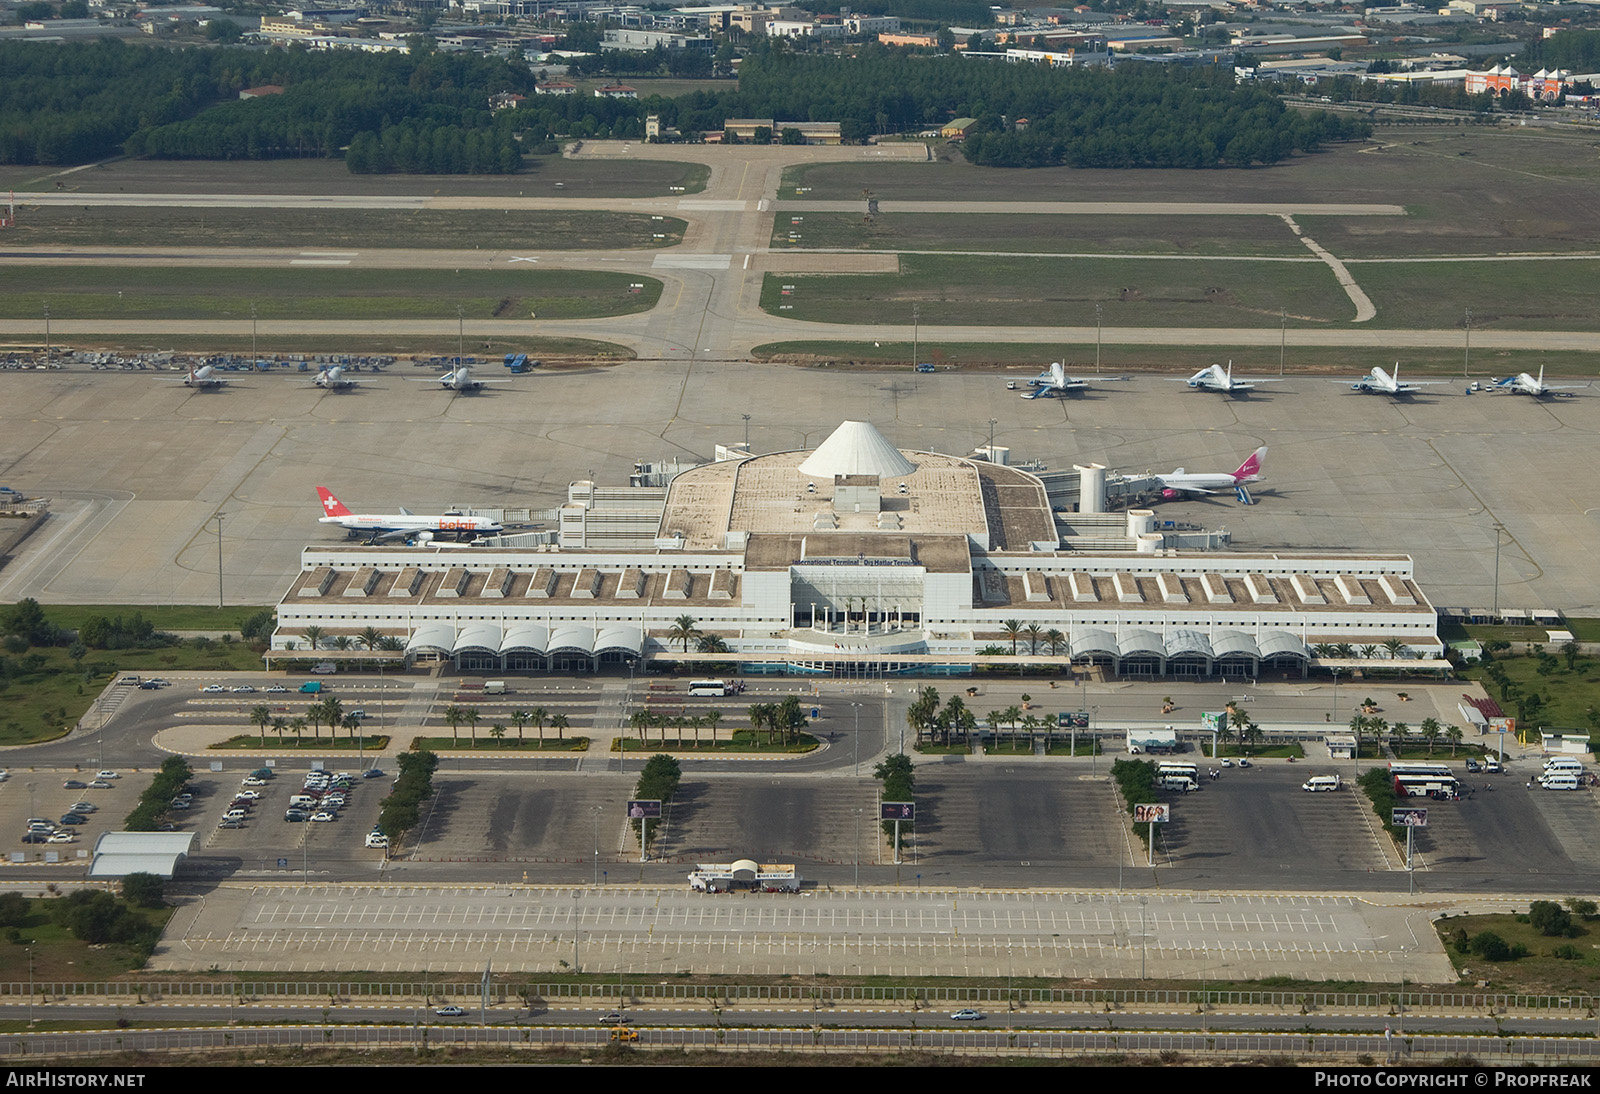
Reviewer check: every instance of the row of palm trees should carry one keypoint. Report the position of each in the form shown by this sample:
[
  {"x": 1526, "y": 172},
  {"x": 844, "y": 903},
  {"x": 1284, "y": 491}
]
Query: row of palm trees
[
  {"x": 642, "y": 721},
  {"x": 370, "y": 638},
  {"x": 1055, "y": 642},
  {"x": 539, "y": 716},
  {"x": 1393, "y": 647},
  {"x": 328, "y": 710},
  {"x": 1431, "y": 731}
]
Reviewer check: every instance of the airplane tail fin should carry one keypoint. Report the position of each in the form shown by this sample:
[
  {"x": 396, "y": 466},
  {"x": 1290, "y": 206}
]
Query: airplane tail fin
[
  {"x": 1251, "y": 468},
  {"x": 331, "y": 505}
]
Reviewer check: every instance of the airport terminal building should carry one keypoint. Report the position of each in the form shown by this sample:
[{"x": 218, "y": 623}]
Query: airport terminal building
[{"x": 857, "y": 559}]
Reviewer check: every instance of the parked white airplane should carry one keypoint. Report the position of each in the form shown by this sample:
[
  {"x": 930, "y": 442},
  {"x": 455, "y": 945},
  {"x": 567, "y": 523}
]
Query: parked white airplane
[
  {"x": 1181, "y": 483},
  {"x": 1379, "y": 382},
  {"x": 334, "y": 379},
  {"x": 460, "y": 380},
  {"x": 1523, "y": 384},
  {"x": 205, "y": 376},
  {"x": 403, "y": 524},
  {"x": 1216, "y": 378},
  {"x": 1055, "y": 381}
]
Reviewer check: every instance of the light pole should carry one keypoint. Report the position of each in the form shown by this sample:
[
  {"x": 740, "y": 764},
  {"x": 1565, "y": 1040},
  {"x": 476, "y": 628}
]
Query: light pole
[
  {"x": 47, "y": 335},
  {"x": 1283, "y": 336},
  {"x": 1498, "y": 528},
  {"x": 461, "y": 337},
  {"x": 595, "y": 810},
  {"x": 255, "y": 357},
  {"x": 916, "y": 330},
  {"x": 1466, "y": 356},
  {"x": 1097, "y": 339},
  {"x": 746, "y": 418},
  {"x": 857, "y": 707},
  {"x": 219, "y": 559},
  {"x": 857, "y": 855}
]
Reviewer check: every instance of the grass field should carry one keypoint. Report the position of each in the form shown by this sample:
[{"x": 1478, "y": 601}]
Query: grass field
[
  {"x": 554, "y": 352},
  {"x": 1031, "y": 357},
  {"x": 1032, "y": 233},
  {"x": 168, "y": 617},
  {"x": 187, "y": 292},
  {"x": 1541, "y": 971},
  {"x": 455, "y": 229},
  {"x": 1007, "y": 291},
  {"x": 540, "y": 176},
  {"x": 42, "y": 702}
]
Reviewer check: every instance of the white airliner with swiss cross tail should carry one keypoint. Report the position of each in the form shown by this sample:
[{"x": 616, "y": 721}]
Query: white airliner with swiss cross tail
[{"x": 404, "y": 524}]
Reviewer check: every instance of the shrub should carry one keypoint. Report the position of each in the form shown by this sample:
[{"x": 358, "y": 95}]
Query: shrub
[{"x": 1549, "y": 918}]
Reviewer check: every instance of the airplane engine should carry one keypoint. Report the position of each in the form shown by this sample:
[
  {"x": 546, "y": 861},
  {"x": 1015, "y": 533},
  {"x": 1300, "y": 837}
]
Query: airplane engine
[
  {"x": 1169, "y": 494},
  {"x": 424, "y": 537}
]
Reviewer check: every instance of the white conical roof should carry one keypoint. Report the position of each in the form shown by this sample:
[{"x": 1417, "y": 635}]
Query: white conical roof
[{"x": 856, "y": 448}]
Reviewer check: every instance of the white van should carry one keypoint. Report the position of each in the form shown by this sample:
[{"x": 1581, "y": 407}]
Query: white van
[
  {"x": 1559, "y": 782},
  {"x": 1181, "y": 783},
  {"x": 1564, "y": 766},
  {"x": 494, "y": 687},
  {"x": 1320, "y": 782},
  {"x": 302, "y": 799}
]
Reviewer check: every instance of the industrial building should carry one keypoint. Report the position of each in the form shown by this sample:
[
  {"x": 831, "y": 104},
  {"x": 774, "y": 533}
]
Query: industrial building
[{"x": 857, "y": 558}]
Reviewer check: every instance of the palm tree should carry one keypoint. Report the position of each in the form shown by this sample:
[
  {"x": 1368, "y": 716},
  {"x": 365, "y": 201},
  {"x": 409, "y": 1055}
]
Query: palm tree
[
  {"x": 1368, "y": 651},
  {"x": 1055, "y": 642},
  {"x": 1012, "y": 630},
  {"x": 1252, "y": 735},
  {"x": 539, "y": 717},
  {"x": 712, "y": 718},
  {"x": 640, "y": 721},
  {"x": 278, "y": 726},
  {"x": 332, "y": 712},
  {"x": 314, "y": 716},
  {"x": 1013, "y": 715},
  {"x": 470, "y": 716},
  {"x": 522, "y": 718},
  {"x": 1034, "y": 630},
  {"x": 1394, "y": 646},
  {"x": 261, "y": 716},
  {"x": 683, "y": 631},
  {"x": 352, "y": 725},
  {"x": 453, "y": 714},
  {"x": 1453, "y": 735},
  {"x": 498, "y": 732},
  {"x": 559, "y": 723},
  {"x": 342, "y": 642},
  {"x": 1431, "y": 732},
  {"x": 299, "y": 727},
  {"x": 370, "y": 637},
  {"x": 312, "y": 635},
  {"x": 1358, "y": 727}
]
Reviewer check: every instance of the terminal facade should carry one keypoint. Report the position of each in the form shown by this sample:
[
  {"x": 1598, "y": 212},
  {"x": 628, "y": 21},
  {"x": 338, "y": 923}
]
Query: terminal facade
[{"x": 859, "y": 559}]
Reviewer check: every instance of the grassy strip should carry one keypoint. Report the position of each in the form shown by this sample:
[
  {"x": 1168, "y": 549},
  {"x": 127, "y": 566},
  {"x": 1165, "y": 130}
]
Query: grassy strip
[
  {"x": 444, "y": 229},
  {"x": 1568, "y": 694},
  {"x": 201, "y": 293},
  {"x": 744, "y": 740},
  {"x": 485, "y": 743},
  {"x": 374, "y": 742},
  {"x": 1318, "y": 361},
  {"x": 166, "y": 617},
  {"x": 1056, "y": 233},
  {"x": 1009, "y": 290},
  {"x": 549, "y": 350}
]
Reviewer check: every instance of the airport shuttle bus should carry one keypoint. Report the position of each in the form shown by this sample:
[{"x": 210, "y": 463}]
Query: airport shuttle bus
[
  {"x": 707, "y": 687},
  {"x": 1177, "y": 770},
  {"x": 1422, "y": 779}
]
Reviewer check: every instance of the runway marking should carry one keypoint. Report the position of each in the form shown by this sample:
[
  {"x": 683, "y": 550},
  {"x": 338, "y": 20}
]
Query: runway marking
[
  {"x": 711, "y": 205},
  {"x": 319, "y": 262},
  {"x": 692, "y": 262},
  {"x": 518, "y": 258}
]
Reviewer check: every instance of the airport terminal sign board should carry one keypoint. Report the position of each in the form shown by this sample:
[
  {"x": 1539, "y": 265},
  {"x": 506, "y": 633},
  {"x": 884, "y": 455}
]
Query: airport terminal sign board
[
  {"x": 1152, "y": 814},
  {"x": 901, "y": 811},
  {"x": 643, "y": 809},
  {"x": 1409, "y": 818}
]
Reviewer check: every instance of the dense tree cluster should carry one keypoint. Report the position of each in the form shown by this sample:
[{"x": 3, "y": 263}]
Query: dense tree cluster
[
  {"x": 1349, "y": 89},
  {"x": 899, "y": 785},
  {"x": 77, "y": 102},
  {"x": 429, "y": 112},
  {"x": 96, "y": 917},
  {"x": 658, "y": 781},
  {"x": 413, "y": 786},
  {"x": 172, "y": 776},
  {"x": 1573, "y": 50}
]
